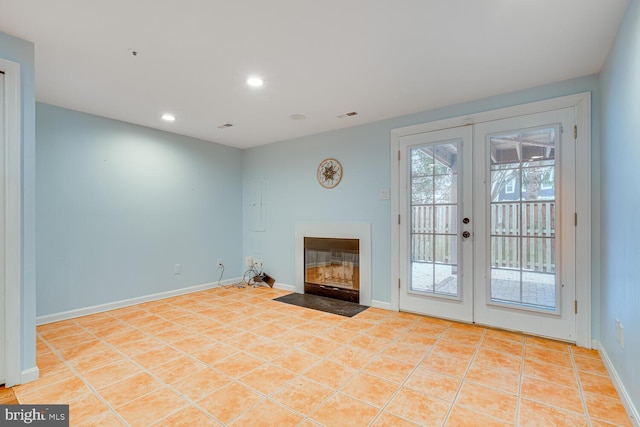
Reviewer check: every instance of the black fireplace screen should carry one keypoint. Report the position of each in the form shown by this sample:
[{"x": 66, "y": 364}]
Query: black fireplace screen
[{"x": 332, "y": 262}]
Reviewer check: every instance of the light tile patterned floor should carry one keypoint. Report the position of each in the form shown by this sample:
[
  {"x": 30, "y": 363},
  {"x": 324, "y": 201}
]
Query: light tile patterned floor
[
  {"x": 235, "y": 357},
  {"x": 7, "y": 396}
]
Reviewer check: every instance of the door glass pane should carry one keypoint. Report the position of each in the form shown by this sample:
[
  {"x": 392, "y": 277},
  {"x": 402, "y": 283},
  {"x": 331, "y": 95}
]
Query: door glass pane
[
  {"x": 422, "y": 247},
  {"x": 422, "y": 187},
  {"x": 445, "y": 219},
  {"x": 523, "y": 217},
  {"x": 434, "y": 218}
]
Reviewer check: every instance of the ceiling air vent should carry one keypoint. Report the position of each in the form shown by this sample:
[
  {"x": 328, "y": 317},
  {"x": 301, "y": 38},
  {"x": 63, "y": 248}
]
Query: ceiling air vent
[
  {"x": 345, "y": 115},
  {"x": 225, "y": 125}
]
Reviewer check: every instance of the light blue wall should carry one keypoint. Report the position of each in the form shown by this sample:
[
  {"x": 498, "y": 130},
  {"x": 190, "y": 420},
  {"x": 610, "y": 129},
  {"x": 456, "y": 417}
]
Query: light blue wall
[
  {"x": 22, "y": 52},
  {"x": 119, "y": 205},
  {"x": 620, "y": 83},
  {"x": 294, "y": 195}
]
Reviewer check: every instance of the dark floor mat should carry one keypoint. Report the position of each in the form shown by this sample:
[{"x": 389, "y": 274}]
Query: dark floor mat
[{"x": 328, "y": 305}]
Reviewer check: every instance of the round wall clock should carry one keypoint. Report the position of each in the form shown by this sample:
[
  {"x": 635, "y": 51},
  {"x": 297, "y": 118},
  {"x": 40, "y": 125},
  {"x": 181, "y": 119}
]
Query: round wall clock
[{"x": 329, "y": 173}]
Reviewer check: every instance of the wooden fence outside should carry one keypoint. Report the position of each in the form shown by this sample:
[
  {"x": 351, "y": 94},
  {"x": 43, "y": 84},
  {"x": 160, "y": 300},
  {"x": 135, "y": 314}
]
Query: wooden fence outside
[
  {"x": 427, "y": 220},
  {"x": 537, "y": 241}
]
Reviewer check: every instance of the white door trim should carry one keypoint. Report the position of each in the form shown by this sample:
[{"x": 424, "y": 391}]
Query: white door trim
[
  {"x": 13, "y": 223},
  {"x": 582, "y": 103},
  {"x": 583, "y": 228}
]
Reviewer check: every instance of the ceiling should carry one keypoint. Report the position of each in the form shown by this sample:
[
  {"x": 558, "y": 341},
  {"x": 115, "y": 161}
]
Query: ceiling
[{"x": 321, "y": 59}]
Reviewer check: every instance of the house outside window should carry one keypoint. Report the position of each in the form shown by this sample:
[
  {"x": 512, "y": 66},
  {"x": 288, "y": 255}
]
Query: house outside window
[{"x": 510, "y": 187}]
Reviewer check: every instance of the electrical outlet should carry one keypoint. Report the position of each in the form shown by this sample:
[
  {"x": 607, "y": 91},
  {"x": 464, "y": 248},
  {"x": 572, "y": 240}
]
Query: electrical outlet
[
  {"x": 177, "y": 269},
  {"x": 249, "y": 261},
  {"x": 220, "y": 265}
]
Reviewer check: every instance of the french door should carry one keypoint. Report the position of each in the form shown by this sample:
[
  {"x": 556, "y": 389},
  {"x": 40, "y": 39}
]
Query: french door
[
  {"x": 435, "y": 241},
  {"x": 525, "y": 243},
  {"x": 488, "y": 234}
]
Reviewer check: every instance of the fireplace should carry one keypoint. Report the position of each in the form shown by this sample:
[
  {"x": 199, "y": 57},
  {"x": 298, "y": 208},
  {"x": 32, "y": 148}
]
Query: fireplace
[
  {"x": 332, "y": 267},
  {"x": 360, "y": 231}
]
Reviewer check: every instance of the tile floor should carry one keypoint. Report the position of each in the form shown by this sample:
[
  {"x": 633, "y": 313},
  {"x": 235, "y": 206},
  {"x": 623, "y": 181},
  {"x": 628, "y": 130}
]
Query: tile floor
[
  {"x": 7, "y": 396},
  {"x": 235, "y": 357}
]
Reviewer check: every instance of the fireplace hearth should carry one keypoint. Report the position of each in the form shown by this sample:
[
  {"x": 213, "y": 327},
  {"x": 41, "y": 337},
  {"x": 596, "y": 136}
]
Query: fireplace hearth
[{"x": 332, "y": 268}]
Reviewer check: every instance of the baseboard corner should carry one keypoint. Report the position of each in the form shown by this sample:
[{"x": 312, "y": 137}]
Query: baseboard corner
[
  {"x": 29, "y": 375},
  {"x": 284, "y": 287},
  {"x": 632, "y": 411},
  {"x": 381, "y": 305}
]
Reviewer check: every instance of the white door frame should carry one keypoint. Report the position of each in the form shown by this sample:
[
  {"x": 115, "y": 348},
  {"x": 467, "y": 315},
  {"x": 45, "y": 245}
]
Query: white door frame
[
  {"x": 582, "y": 104},
  {"x": 13, "y": 223}
]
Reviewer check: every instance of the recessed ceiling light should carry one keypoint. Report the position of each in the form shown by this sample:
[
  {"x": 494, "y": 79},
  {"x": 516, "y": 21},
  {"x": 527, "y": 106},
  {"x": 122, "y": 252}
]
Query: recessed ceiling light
[
  {"x": 255, "y": 81},
  {"x": 297, "y": 117},
  {"x": 168, "y": 117}
]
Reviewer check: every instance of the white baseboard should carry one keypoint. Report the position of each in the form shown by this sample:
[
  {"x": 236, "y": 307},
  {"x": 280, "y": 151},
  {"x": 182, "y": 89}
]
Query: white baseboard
[
  {"x": 632, "y": 411},
  {"x": 29, "y": 375},
  {"x": 381, "y": 304},
  {"x": 284, "y": 287},
  {"x": 56, "y": 317}
]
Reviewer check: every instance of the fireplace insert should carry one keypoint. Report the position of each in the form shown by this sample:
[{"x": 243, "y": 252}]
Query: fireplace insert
[{"x": 332, "y": 268}]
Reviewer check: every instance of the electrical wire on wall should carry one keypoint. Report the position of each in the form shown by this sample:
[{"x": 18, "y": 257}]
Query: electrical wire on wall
[
  {"x": 221, "y": 273},
  {"x": 238, "y": 285},
  {"x": 251, "y": 277}
]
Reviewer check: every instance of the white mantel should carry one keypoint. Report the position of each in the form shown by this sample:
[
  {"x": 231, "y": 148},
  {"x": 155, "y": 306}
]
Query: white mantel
[{"x": 338, "y": 230}]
